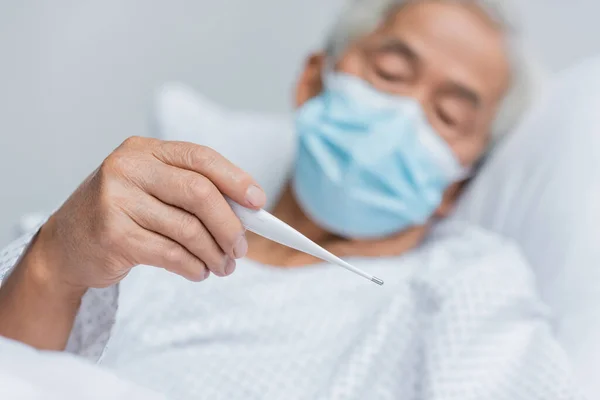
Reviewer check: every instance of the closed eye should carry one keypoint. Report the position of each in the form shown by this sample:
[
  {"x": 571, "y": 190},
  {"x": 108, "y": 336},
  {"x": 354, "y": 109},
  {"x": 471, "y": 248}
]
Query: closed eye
[
  {"x": 455, "y": 112},
  {"x": 393, "y": 68},
  {"x": 395, "y": 61}
]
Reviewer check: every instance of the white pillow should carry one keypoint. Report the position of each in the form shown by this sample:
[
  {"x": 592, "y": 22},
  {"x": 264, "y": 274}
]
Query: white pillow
[
  {"x": 542, "y": 189},
  {"x": 264, "y": 145}
]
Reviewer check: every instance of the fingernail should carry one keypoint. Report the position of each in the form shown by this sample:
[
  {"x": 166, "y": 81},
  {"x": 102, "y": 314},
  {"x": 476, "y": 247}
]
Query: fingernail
[
  {"x": 230, "y": 267},
  {"x": 255, "y": 196},
  {"x": 241, "y": 247}
]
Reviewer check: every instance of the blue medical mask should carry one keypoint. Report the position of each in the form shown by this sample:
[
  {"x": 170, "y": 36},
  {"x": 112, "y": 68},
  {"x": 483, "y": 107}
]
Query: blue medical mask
[{"x": 369, "y": 164}]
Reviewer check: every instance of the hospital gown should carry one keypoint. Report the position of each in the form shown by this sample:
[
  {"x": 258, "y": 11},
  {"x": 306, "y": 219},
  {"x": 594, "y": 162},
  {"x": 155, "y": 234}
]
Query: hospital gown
[{"x": 457, "y": 319}]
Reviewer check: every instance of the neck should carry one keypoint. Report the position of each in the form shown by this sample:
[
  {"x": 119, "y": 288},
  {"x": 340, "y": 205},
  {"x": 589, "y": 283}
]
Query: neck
[{"x": 288, "y": 210}]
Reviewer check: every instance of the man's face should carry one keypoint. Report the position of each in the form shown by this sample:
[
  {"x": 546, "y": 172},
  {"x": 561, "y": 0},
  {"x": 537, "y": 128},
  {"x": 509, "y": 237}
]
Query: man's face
[{"x": 449, "y": 56}]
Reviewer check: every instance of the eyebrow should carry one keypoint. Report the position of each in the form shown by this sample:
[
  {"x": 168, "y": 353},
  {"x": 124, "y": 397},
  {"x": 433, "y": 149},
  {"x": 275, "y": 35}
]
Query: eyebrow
[{"x": 400, "y": 48}]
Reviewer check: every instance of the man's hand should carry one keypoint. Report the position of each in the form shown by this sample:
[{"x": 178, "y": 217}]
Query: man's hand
[
  {"x": 155, "y": 203},
  {"x": 150, "y": 202}
]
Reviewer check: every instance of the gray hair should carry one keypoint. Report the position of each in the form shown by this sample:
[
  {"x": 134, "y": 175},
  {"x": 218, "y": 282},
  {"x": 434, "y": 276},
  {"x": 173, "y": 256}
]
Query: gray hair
[{"x": 361, "y": 17}]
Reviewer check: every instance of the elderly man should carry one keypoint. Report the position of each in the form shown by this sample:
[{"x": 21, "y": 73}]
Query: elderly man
[{"x": 392, "y": 120}]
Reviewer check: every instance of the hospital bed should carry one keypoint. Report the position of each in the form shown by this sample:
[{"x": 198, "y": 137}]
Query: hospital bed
[{"x": 540, "y": 188}]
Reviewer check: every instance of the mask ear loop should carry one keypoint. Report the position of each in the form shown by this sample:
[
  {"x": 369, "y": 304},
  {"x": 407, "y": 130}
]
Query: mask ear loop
[
  {"x": 467, "y": 174},
  {"x": 328, "y": 65},
  {"x": 327, "y": 71},
  {"x": 470, "y": 172}
]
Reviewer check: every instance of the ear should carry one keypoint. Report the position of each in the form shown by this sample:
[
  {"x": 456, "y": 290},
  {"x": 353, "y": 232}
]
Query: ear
[
  {"x": 449, "y": 200},
  {"x": 310, "y": 83}
]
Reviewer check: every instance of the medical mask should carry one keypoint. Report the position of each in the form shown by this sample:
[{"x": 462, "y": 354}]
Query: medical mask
[{"x": 369, "y": 164}]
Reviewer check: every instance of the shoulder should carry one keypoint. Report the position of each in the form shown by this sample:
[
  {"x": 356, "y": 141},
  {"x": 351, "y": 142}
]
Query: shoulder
[
  {"x": 464, "y": 245},
  {"x": 469, "y": 240},
  {"x": 462, "y": 260}
]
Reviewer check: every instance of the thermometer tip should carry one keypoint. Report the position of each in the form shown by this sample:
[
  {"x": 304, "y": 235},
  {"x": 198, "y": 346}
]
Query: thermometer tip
[{"x": 377, "y": 281}]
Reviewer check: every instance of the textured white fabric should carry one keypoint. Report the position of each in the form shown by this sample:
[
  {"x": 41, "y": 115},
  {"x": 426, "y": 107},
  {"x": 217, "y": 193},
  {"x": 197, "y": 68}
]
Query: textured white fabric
[
  {"x": 457, "y": 319},
  {"x": 97, "y": 314}
]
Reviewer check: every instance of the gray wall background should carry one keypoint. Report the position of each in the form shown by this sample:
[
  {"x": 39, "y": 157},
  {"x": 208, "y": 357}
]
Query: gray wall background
[{"x": 76, "y": 76}]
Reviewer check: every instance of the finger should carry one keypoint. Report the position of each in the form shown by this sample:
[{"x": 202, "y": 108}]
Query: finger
[
  {"x": 228, "y": 178},
  {"x": 197, "y": 195},
  {"x": 150, "y": 248},
  {"x": 183, "y": 228}
]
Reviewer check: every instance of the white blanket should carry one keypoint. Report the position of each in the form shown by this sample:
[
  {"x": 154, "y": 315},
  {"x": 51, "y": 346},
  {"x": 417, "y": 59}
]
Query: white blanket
[{"x": 33, "y": 375}]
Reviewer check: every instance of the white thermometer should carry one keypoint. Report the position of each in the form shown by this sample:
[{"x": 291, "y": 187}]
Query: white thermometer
[{"x": 266, "y": 225}]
